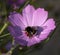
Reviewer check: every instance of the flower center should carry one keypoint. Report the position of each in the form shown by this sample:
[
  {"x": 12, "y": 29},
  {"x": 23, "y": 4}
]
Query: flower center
[{"x": 30, "y": 31}]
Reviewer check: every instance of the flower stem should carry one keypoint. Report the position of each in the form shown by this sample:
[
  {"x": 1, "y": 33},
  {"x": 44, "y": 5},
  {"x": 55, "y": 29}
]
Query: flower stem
[
  {"x": 0, "y": 53},
  {"x": 47, "y": 40},
  {"x": 10, "y": 52},
  {"x": 20, "y": 9},
  {"x": 5, "y": 35},
  {"x": 3, "y": 28}
]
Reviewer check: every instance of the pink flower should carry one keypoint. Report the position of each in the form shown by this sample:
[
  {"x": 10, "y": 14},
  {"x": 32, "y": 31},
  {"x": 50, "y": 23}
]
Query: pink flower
[{"x": 30, "y": 27}]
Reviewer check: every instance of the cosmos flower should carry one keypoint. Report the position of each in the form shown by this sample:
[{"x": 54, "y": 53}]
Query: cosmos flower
[{"x": 30, "y": 27}]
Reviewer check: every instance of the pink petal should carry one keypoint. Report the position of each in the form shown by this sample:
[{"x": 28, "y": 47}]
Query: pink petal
[
  {"x": 50, "y": 25},
  {"x": 37, "y": 39},
  {"x": 33, "y": 41},
  {"x": 39, "y": 17},
  {"x": 17, "y": 20},
  {"x": 22, "y": 40},
  {"x": 43, "y": 36},
  {"x": 28, "y": 14},
  {"x": 15, "y": 31}
]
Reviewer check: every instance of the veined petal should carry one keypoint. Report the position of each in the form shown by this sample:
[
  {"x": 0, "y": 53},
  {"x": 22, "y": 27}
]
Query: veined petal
[
  {"x": 39, "y": 17},
  {"x": 43, "y": 36},
  {"x": 22, "y": 40},
  {"x": 33, "y": 41},
  {"x": 49, "y": 24},
  {"x": 28, "y": 14},
  {"x": 15, "y": 31},
  {"x": 17, "y": 20}
]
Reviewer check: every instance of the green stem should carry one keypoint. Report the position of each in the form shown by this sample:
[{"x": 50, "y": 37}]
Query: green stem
[
  {"x": 47, "y": 40},
  {"x": 10, "y": 52},
  {"x": 3, "y": 28},
  {"x": 5, "y": 35},
  {"x": 20, "y": 9},
  {"x": 0, "y": 53}
]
